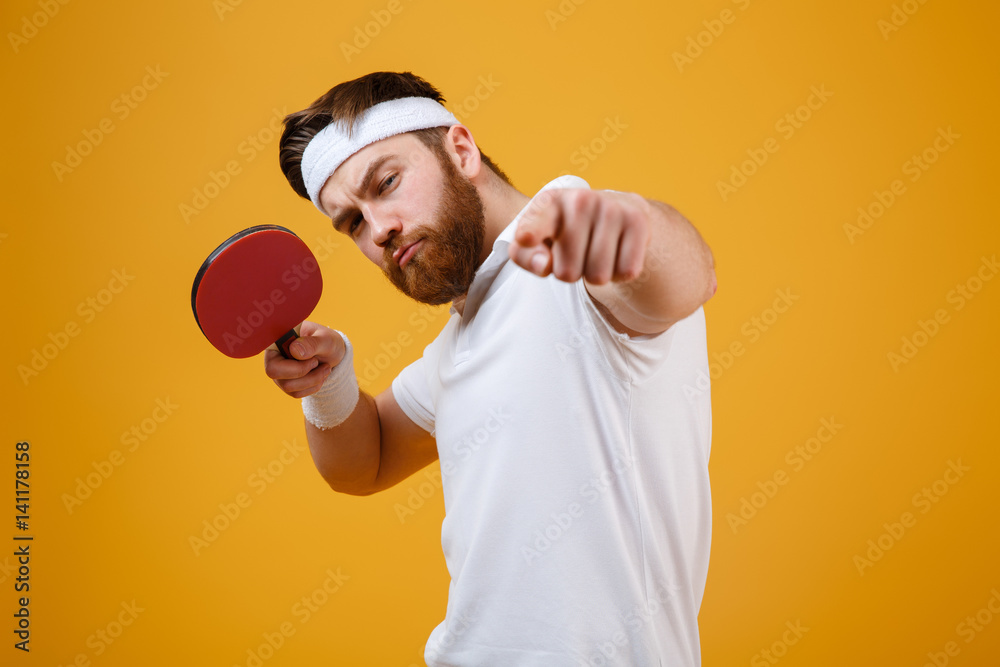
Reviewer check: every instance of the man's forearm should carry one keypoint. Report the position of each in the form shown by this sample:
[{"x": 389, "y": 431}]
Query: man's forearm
[
  {"x": 678, "y": 276},
  {"x": 347, "y": 455}
]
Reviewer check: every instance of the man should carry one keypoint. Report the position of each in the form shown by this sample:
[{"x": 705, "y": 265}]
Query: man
[{"x": 574, "y": 463}]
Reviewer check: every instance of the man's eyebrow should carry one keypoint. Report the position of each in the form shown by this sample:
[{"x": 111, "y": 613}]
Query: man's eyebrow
[
  {"x": 370, "y": 174},
  {"x": 362, "y": 187}
]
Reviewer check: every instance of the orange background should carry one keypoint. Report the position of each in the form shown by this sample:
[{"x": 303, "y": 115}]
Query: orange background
[{"x": 557, "y": 73}]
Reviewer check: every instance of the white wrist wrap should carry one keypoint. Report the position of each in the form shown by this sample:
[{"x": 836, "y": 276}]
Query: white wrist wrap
[{"x": 336, "y": 399}]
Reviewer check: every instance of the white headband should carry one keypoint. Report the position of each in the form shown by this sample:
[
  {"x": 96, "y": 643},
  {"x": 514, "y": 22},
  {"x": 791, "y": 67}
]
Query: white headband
[{"x": 331, "y": 145}]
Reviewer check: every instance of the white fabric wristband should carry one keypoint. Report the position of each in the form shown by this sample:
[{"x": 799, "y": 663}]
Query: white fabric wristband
[{"x": 336, "y": 399}]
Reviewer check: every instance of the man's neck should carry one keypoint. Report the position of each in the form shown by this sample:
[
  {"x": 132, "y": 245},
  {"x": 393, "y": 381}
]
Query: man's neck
[{"x": 501, "y": 204}]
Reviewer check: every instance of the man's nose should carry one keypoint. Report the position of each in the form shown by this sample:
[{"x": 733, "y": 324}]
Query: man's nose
[{"x": 383, "y": 225}]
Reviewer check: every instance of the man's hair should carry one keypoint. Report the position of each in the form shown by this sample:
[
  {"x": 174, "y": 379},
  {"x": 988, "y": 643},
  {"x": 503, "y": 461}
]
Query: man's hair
[{"x": 343, "y": 104}]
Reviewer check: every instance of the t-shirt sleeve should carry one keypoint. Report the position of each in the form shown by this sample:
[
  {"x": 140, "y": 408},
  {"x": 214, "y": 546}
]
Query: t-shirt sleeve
[
  {"x": 638, "y": 358},
  {"x": 411, "y": 390}
]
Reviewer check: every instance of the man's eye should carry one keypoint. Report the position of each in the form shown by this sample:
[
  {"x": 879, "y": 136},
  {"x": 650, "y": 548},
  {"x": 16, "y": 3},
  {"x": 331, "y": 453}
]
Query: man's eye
[
  {"x": 387, "y": 182},
  {"x": 354, "y": 224}
]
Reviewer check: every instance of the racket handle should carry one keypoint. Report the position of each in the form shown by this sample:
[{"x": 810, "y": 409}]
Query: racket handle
[{"x": 286, "y": 340}]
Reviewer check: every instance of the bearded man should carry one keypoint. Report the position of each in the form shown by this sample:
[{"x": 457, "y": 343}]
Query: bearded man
[{"x": 565, "y": 398}]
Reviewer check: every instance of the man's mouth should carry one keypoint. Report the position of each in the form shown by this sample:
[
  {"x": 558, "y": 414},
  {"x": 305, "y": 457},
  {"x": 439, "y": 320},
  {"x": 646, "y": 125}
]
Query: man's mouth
[{"x": 404, "y": 253}]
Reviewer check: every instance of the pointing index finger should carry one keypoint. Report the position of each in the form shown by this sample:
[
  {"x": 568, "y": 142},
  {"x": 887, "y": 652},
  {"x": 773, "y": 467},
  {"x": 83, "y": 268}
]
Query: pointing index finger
[{"x": 541, "y": 222}]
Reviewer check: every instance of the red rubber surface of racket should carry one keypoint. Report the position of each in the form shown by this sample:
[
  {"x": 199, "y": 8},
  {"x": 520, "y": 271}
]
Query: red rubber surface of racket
[{"x": 254, "y": 290}]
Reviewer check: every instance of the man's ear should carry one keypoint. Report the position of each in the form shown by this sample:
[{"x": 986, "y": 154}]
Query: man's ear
[{"x": 464, "y": 151}]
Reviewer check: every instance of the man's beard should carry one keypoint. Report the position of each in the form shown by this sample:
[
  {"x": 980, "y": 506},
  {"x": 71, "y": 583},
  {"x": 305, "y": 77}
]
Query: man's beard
[{"x": 447, "y": 259}]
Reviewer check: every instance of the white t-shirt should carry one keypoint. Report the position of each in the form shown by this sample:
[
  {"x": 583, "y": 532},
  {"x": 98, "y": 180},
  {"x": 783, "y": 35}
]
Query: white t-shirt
[{"x": 575, "y": 476}]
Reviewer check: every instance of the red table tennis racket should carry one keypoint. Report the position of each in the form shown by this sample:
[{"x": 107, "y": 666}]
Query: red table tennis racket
[{"x": 254, "y": 290}]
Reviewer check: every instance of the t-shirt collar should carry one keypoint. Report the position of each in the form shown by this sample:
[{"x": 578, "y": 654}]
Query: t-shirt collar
[{"x": 487, "y": 271}]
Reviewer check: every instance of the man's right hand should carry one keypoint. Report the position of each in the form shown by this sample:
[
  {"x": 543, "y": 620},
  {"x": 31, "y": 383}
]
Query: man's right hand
[
  {"x": 378, "y": 446},
  {"x": 317, "y": 350}
]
